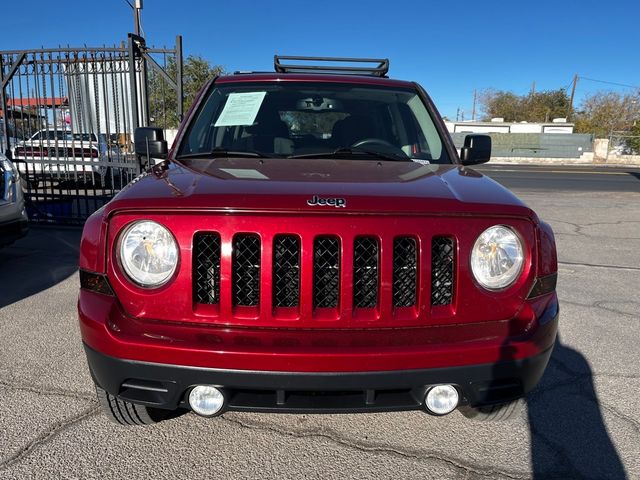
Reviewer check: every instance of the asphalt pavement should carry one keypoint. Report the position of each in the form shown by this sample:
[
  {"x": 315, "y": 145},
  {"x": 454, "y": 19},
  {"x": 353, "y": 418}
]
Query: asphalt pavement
[
  {"x": 583, "y": 421},
  {"x": 564, "y": 178}
]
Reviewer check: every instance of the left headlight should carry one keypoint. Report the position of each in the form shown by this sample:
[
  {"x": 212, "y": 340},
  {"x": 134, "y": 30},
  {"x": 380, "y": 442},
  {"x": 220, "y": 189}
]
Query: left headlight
[
  {"x": 497, "y": 258},
  {"x": 148, "y": 253}
]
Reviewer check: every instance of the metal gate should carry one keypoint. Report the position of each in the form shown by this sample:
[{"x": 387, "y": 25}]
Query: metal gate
[{"x": 67, "y": 119}]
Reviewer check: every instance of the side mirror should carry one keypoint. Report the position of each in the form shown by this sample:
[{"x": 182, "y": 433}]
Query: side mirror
[
  {"x": 150, "y": 143},
  {"x": 476, "y": 149}
]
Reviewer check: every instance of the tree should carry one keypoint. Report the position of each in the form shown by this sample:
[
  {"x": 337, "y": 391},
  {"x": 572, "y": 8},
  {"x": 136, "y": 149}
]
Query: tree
[
  {"x": 163, "y": 101},
  {"x": 535, "y": 107},
  {"x": 605, "y": 112},
  {"x": 633, "y": 141}
]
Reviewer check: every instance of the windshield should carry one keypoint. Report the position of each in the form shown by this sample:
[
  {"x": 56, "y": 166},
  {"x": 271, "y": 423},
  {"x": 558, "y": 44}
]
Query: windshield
[
  {"x": 63, "y": 135},
  {"x": 291, "y": 119}
]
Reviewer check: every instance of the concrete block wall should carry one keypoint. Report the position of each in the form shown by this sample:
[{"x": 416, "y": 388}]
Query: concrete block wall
[{"x": 536, "y": 145}]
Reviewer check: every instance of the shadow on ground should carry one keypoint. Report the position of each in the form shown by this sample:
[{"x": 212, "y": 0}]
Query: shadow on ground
[
  {"x": 45, "y": 257},
  {"x": 568, "y": 436}
]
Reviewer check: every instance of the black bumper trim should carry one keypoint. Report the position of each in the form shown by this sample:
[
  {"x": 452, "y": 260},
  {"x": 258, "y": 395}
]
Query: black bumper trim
[{"x": 166, "y": 386}]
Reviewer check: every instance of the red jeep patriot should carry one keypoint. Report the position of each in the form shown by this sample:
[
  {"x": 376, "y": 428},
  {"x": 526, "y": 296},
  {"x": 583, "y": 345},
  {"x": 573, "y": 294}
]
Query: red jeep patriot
[{"x": 314, "y": 242}]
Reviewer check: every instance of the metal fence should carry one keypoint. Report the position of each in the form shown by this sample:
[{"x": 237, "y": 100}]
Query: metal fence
[{"x": 68, "y": 117}]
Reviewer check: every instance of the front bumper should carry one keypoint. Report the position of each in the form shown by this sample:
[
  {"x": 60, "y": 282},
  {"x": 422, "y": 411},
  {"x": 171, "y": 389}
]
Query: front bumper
[
  {"x": 270, "y": 370},
  {"x": 167, "y": 386}
]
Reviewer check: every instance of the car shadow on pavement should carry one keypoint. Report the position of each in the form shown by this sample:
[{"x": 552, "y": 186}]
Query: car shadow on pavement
[
  {"x": 42, "y": 259},
  {"x": 569, "y": 438}
]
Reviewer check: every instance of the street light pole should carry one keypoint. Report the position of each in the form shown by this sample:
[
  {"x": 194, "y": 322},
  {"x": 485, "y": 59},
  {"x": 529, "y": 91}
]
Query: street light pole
[{"x": 136, "y": 16}]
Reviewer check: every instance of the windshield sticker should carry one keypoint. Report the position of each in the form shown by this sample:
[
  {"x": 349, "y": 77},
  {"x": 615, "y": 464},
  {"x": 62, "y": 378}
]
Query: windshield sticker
[
  {"x": 245, "y": 173},
  {"x": 240, "y": 109}
]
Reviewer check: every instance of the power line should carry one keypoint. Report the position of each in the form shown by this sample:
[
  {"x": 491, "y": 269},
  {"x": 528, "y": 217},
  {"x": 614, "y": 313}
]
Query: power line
[{"x": 609, "y": 83}]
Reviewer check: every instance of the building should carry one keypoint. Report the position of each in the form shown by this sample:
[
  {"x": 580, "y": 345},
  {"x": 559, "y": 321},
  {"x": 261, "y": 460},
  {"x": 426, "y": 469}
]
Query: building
[{"x": 498, "y": 125}]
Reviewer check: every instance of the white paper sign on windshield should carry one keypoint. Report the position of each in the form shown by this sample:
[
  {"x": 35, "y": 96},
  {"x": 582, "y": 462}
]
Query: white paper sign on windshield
[{"x": 240, "y": 109}]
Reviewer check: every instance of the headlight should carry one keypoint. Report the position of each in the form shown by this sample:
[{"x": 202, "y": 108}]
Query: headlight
[
  {"x": 497, "y": 258},
  {"x": 148, "y": 253}
]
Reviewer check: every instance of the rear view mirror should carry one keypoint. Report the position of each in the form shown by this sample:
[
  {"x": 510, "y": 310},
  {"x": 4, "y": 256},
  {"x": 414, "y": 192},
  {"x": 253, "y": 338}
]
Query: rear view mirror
[
  {"x": 149, "y": 142},
  {"x": 476, "y": 149}
]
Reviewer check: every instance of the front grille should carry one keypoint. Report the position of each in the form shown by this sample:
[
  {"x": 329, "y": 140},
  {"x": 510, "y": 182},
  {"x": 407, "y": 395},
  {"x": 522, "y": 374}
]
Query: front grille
[
  {"x": 289, "y": 266},
  {"x": 246, "y": 270},
  {"x": 206, "y": 268},
  {"x": 365, "y": 272},
  {"x": 442, "y": 271},
  {"x": 286, "y": 271},
  {"x": 326, "y": 272},
  {"x": 405, "y": 271}
]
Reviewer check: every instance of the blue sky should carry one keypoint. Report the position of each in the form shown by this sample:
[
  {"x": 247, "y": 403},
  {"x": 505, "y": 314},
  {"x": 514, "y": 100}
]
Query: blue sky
[{"x": 450, "y": 47}]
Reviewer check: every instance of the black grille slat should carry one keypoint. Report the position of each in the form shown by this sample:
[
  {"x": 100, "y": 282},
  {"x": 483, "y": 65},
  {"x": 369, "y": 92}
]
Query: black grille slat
[
  {"x": 286, "y": 271},
  {"x": 442, "y": 270},
  {"x": 246, "y": 270},
  {"x": 206, "y": 268},
  {"x": 326, "y": 272},
  {"x": 365, "y": 272},
  {"x": 405, "y": 271}
]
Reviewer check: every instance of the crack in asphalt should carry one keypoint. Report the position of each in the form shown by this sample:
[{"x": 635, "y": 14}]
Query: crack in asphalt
[
  {"x": 621, "y": 416},
  {"x": 599, "y": 305},
  {"x": 53, "y": 431},
  {"x": 600, "y": 265},
  {"x": 578, "y": 229},
  {"x": 50, "y": 391},
  {"x": 577, "y": 377},
  {"x": 457, "y": 464}
]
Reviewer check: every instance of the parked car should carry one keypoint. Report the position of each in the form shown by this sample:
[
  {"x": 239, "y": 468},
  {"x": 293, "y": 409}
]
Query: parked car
[
  {"x": 62, "y": 154},
  {"x": 13, "y": 216},
  {"x": 313, "y": 242}
]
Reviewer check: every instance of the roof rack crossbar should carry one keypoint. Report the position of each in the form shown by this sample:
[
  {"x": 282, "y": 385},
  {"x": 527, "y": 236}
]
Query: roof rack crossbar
[{"x": 380, "y": 70}]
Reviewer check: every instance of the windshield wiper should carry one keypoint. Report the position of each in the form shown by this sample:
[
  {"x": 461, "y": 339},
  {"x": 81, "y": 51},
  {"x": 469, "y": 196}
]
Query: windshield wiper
[
  {"x": 353, "y": 151},
  {"x": 223, "y": 152}
]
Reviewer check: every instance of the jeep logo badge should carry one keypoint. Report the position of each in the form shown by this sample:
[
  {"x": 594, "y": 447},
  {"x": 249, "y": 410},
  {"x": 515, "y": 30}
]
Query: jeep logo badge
[{"x": 330, "y": 202}]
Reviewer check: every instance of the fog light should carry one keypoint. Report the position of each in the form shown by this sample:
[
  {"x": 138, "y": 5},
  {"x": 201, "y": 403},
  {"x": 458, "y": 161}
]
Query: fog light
[
  {"x": 206, "y": 400},
  {"x": 441, "y": 399}
]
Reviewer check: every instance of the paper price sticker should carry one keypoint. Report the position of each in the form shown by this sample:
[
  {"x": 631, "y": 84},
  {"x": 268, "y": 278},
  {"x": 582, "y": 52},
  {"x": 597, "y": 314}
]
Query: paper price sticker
[{"x": 240, "y": 109}]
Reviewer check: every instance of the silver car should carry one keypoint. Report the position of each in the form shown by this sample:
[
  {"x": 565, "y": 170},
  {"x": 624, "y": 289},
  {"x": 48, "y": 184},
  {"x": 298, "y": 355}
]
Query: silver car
[{"x": 13, "y": 216}]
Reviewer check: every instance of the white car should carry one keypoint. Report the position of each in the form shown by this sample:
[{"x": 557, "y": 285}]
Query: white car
[{"x": 62, "y": 154}]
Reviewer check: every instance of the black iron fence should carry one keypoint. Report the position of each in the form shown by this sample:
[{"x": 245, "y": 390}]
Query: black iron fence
[{"x": 67, "y": 119}]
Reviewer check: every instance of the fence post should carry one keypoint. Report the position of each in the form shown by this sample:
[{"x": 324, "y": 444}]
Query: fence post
[
  {"x": 179, "y": 92},
  {"x": 5, "y": 147}
]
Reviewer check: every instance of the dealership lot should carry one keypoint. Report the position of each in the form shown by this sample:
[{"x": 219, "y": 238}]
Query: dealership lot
[{"x": 583, "y": 420}]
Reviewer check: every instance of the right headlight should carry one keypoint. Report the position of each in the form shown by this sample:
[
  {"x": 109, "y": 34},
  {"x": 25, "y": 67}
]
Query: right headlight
[
  {"x": 148, "y": 253},
  {"x": 497, "y": 258}
]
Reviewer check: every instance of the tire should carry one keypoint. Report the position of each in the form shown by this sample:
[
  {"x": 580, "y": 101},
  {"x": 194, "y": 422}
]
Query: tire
[
  {"x": 500, "y": 412},
  {"x": 127, "y": 413}
]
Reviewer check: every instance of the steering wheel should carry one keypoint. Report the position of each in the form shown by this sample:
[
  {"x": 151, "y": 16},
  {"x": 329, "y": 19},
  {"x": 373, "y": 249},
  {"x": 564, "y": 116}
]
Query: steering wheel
[{"x": 379, "y": 141}]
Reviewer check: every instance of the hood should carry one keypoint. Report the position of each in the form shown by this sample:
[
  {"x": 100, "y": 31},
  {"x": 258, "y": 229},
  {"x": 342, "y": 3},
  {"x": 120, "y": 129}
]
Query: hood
[{"x": 318, "y": 185}]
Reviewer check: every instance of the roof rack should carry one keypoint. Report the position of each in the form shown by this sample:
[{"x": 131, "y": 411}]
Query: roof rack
[{"x": 380, "y": 70}]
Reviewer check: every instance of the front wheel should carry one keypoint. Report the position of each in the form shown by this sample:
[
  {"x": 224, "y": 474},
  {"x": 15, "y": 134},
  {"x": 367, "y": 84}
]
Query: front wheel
[
  {"x": 500, "y": 412},
  {"x": 127, "y": 413}
]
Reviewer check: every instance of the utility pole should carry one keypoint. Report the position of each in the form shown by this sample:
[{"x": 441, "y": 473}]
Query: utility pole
[
  {"x": 533, "y": 88},
  {"x": 573, "y": 92},
  {"x": 136, "y": 17},
  {"x": 458, "y": 114},
  {"x": 473, "y": 111}
]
